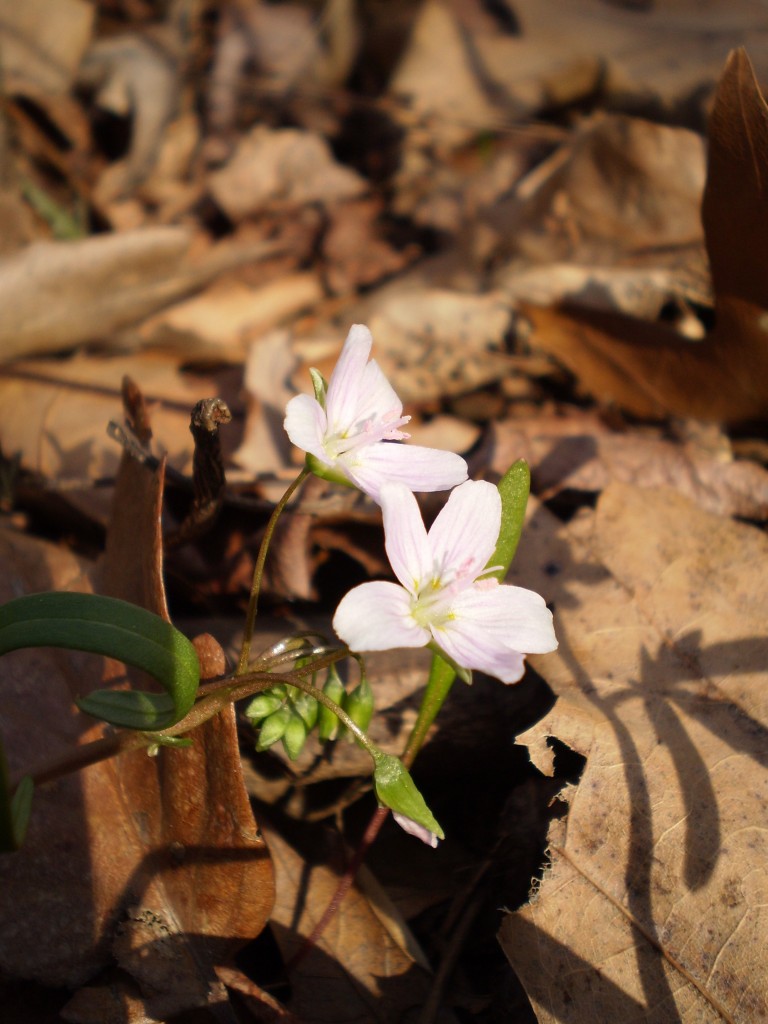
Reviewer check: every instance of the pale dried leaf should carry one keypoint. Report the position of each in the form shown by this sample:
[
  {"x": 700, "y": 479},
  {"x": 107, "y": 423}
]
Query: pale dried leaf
[
  {"x": 265, "y": 447},
  {"x": 222, "y": 319},
  {"x": 654, "y": 905},
  {"x": 663, "y": 55},
  {"x": 42, "y": 43},
  {"x": 638, "y": 291},
  {"x": 137, "y": 77},
  {"x": 433, "y": 342},
  {"x": 285, "y": 167},
  {"x": 58, "y": 294},
  {"x": 622, "y": 189},
  {"x": 54, "y": 414},
  {"x": 580, "y": 452},
  {"x": 438, "y": 78}
]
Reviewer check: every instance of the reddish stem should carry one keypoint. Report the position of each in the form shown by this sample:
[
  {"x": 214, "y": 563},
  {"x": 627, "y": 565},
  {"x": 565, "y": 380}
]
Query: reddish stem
[{"x": 345, "y": 884}]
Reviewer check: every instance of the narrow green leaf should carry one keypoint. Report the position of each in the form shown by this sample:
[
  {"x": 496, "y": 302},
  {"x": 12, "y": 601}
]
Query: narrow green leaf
[
  {"x": 117, "y": 629},
  {"x": 514, "y": 488}
]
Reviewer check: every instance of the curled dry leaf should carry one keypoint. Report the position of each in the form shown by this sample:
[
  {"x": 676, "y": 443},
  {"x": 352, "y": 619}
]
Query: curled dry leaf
[
  {"x": 653, "y": 906},
  {"x": 139, "y": 78}
]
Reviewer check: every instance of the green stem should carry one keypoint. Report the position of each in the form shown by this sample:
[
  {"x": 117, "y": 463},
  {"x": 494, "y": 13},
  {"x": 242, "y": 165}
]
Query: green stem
[
  {"x": 258, "y": 572},
  {"x": 441, "y": 677},
  {"x": 213, "y": 698}
]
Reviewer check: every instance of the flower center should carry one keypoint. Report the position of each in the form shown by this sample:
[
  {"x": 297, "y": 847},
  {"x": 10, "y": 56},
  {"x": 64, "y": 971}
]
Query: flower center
[
  {"x": 360, "y": 435},
  {"x": 432, "y": 605}
]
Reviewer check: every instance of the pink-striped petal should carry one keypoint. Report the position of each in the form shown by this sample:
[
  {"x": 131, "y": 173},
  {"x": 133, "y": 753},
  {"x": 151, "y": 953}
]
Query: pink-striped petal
[
  {"x": 514, "y": 616},
  {"x": 378, "y": 400},
  {"x": 420, "y": 469},
  {"x": 493, "y": 627},
  {"x": 463, "y": 536},
  {"x": 344, "y": 388},
  {"x": 405, "y": 537},
  {"x": 377, "y": 617}
]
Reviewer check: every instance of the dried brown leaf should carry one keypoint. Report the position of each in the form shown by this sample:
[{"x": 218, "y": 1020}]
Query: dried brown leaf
[
  {"x": 653, "y": 907},
  {"x": 665, "y": 56},
  {"x": 58, "y": 294},
  {"x": 580, "y": 452},
  {"x": 42, "y": 43},
  {"x": 164, "y": 866},
  {"x": 277, "y": 168},
  {"x": 647, "y": 368},
  {"x": 356, "y": 970}
]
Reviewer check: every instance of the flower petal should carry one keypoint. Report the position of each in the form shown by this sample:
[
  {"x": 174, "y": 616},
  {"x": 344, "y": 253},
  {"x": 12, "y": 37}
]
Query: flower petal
[
  {"x": 493, "y": 627},
  {"x": 464, "y": 534},
  {"x": 377, "y": 617},
  {"x": 420, "y": 469},
  {"x": 345, "y": 386},
  {"x": 305, "y": 424},
  {"x": 405, "y": 537},
  {"x": 414, "y": 829},
  {"x": 378, "y": 400}
]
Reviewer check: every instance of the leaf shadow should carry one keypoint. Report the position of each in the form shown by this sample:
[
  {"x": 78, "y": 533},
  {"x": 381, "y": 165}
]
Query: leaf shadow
[
  {"x": 181, "y": 974},
  {"x": 661, "y": 688}
]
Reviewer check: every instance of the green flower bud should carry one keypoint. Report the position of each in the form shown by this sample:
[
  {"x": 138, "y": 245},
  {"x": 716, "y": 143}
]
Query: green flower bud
[
  {"x": 264, "y": 704},
  {"x": 358, "y": 703},
  {"x": 396, "y": 789},
  {"x": 295, "y": 736},
  {"x": 329, "y": 727},
  {"x": 305, "y": 707},
  {"x": 273, "y": 727}
]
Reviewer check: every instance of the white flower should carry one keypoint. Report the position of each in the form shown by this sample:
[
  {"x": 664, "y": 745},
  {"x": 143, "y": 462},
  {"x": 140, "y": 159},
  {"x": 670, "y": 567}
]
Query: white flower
[
  {"x": 446, "y": 598},
  {"x": 344, "y": 435}
]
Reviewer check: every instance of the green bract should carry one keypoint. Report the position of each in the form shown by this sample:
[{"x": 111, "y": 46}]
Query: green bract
[
  {"x": 326, "y": 472},
  {"x": 396, "y": 789}
]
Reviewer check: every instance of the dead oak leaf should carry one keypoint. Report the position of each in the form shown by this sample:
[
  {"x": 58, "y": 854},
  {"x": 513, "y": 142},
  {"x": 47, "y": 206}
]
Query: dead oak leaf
[{"x": 653, "y": 906}]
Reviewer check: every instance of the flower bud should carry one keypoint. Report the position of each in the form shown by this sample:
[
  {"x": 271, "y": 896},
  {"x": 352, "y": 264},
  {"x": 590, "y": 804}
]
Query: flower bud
[
  {"x": 358, "y": 703},
  {"x": 305, "y": 707},
  {"x": 396, "y": 789},
  {"x": 329, "y": 727},
  {"x": 295, "y": 736},
  {"x": 273, "y": 727},
  {"x": 264, "y": 704}
]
